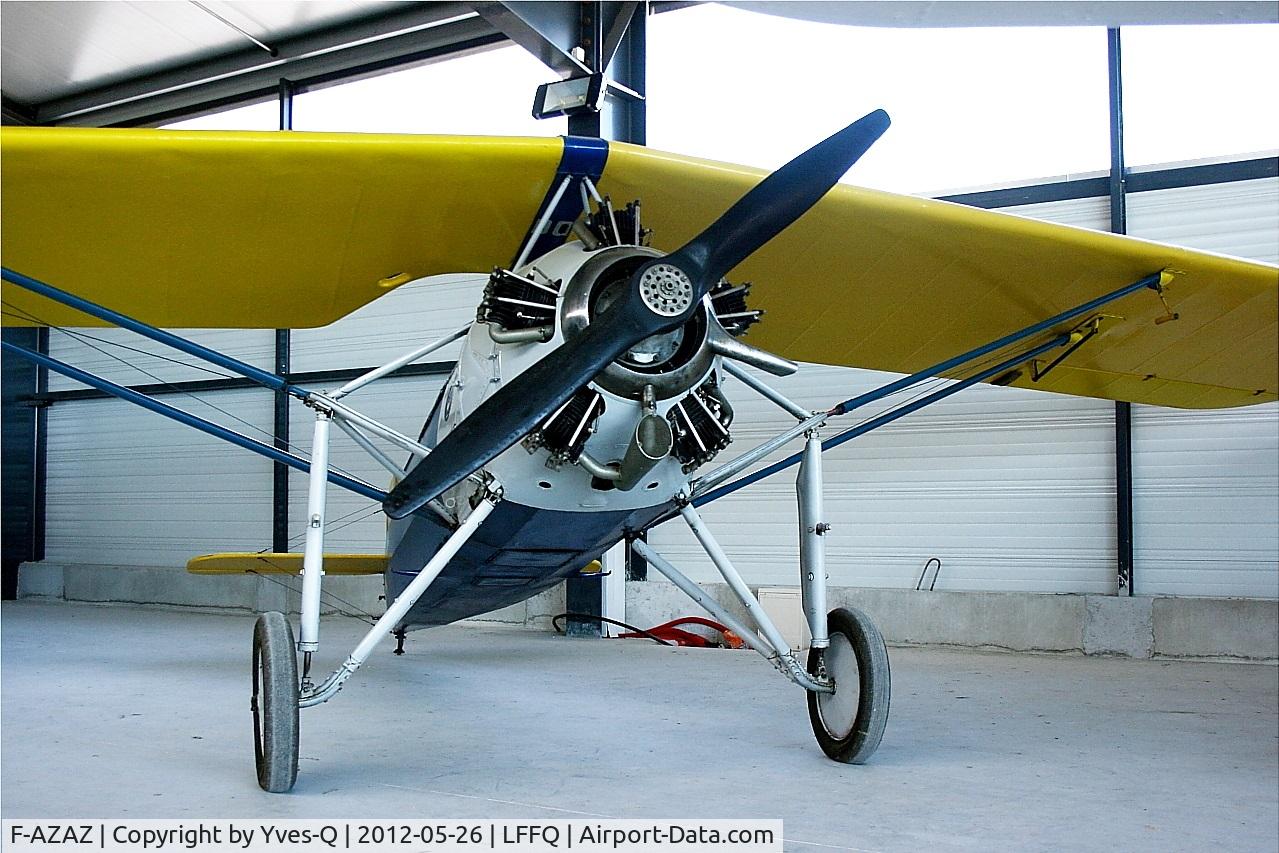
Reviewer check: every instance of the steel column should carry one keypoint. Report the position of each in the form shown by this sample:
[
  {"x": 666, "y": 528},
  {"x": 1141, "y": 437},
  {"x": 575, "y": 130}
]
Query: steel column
[
  {"x": 283, "y": 366},
  {"x": 623, "y": 116},
  {"x": 280, "y": 429},
  {"x": 636, "y": 565},
  {"x": 1118, "y": 178},
  {"x": 1123, "y": 498},
  {"x": 287, "y": 90},
  {"x": 22, "y": 466},
  {"x": 42, "y": 451},
  {"x": 621, "y": 119},
  {"x": 1123, "y": 411}
]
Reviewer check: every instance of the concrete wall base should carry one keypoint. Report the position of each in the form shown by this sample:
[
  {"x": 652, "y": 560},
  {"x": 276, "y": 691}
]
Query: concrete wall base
[
  {"x": 1139, "y": 627},
  {"x": 164, "y": 586}
]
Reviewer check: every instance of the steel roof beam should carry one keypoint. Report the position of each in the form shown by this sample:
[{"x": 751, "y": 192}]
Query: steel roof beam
[
  {"x": 412, "y": 33},
  {"x": 12, "y": 112},
  {"x": 549, "y": 31}
]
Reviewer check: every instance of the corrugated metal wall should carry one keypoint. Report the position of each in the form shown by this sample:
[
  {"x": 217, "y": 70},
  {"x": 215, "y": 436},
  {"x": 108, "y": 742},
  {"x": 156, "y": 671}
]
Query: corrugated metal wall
[
  {"x": 1011, "y": 489},
  {"x": 127, "y": 487},
  {"x": 1014, "y": 490},
  {"x": 103, "y": 351},
  {"x": 130, "y": 488},
  {"x": 1206, "y": 484},
  {"x": 406, "y": 318}
]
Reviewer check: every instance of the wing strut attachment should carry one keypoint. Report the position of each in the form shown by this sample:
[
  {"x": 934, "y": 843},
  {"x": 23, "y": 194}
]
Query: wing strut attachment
[{"x": 583, "y": 160}]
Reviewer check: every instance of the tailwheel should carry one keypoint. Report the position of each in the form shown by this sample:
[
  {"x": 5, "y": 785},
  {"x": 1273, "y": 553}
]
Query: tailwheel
[
  {"x": 275, "y": 703},
  {"x": 849, "y": 723}
]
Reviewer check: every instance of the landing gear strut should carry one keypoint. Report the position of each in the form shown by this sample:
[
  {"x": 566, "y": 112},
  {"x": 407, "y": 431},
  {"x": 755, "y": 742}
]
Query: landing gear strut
[{"x": 847, "y": 677}]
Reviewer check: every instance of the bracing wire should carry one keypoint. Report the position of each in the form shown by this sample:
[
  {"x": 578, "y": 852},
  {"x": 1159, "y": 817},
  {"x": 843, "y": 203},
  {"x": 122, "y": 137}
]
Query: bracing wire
[
  {"x": 85, "y": 335},
  {"x": 919, "y": 389},
  {"x": 81, "y": 336},
  {"x": 355, "y": 612},
  {"x": 339, "y": 523},
  {"x": 928, "y": 386},
  {"x": 355, "y": 516}
]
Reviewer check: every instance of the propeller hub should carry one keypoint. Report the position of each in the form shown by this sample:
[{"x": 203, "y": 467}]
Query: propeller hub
[
  {"x": 666, "y": 289},
  {"x": 671, "y": 361}
]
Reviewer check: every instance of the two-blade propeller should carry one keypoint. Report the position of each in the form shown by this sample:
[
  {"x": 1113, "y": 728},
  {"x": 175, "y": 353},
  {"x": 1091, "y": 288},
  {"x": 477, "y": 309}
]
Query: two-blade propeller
[{"x": 661, "y": 295}]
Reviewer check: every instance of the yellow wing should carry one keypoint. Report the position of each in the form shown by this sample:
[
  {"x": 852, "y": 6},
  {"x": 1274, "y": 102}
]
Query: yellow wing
[
  {"x": 291, "y": 229},
  {"x": 256, "y": 230},
  {"x": 876, "y": 280},
  {"x": 284, "y": 564}
]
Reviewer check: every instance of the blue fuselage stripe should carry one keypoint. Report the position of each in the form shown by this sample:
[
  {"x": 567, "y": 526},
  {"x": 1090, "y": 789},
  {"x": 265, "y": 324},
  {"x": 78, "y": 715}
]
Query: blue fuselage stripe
[{"x": 583, "y": 157}]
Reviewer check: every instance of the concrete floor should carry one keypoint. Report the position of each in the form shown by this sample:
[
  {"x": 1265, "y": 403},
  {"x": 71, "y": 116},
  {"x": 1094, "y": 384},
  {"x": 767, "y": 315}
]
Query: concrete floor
[{"x": 113, "y": 711}]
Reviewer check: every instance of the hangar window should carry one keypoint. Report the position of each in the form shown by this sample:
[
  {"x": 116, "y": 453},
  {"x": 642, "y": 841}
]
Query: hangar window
[
  {"x": 486, "y": 93},
  {"x": 1197, "y": 92},
  {"x": 974, "y": 106},
  {"x": 264, "y": 115}
]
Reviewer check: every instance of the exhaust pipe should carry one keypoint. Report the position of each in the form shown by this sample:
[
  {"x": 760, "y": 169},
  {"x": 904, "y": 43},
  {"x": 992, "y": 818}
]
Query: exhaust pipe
[{"x": 651, "y": 443}]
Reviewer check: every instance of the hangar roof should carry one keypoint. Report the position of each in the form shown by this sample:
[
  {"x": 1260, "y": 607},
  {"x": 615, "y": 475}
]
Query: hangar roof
[
  {"x": 124, "y": 62},
  {"x": 101, "y": 63}
]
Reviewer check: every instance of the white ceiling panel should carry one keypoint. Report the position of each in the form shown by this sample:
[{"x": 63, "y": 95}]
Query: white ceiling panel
[{"x": 52, "y": 50}]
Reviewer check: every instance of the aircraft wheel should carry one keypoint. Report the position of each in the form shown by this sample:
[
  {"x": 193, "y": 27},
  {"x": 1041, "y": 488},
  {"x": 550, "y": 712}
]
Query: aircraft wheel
[
  {"x": 275, "y": 703},
  {"x": 849, "y": 723}
]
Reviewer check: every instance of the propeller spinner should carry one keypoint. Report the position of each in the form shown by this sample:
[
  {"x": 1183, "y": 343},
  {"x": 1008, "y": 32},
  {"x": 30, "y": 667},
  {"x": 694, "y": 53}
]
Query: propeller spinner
[{"x": 660, "y": 296}]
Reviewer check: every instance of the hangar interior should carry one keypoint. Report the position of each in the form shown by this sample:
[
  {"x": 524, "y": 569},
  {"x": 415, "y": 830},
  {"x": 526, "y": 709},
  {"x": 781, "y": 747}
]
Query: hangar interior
[
  {"x": 1025, "y": 554},
  {"x": 998, "y": 518}
]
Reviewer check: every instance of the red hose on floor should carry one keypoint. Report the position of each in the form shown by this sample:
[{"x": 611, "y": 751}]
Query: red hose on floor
[{"x": 670, "y": 632}]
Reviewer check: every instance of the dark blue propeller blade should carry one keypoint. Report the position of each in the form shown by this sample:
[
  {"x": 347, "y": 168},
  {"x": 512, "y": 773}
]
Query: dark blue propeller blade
[
  {"x": 520, "y": 405},
  {"x": 775, "y": 203}
]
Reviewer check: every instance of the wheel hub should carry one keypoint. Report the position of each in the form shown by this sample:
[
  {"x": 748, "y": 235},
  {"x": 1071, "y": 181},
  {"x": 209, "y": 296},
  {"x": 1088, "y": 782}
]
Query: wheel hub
[{"x": 839, "y": 709}]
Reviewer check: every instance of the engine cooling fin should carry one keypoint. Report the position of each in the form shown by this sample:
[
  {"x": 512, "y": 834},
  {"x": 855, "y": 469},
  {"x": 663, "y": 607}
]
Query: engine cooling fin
[
  {"x": 700, "y": 424},
  {"x": 617, "y": 227},
  {"x": 514, "y": 301},
  {"x": 728, "y": 302},
  {"x": 565, "y": 431}
]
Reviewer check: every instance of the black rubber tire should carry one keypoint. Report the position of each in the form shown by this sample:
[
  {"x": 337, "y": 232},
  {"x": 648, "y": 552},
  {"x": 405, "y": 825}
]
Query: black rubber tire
[
  {"x": 275, "y": 703},
  {"x": 855, "y": 743}
]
